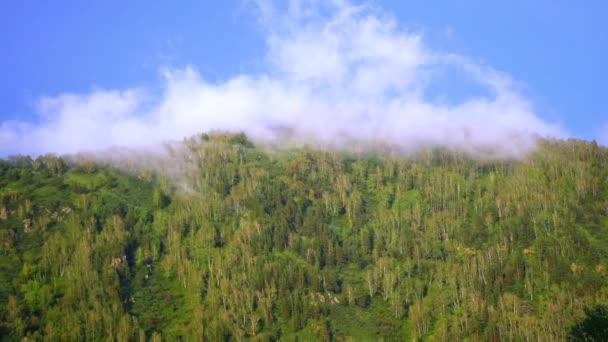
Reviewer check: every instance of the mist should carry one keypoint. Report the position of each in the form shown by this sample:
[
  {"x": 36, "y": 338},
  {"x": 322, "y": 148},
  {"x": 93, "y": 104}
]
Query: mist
[{"x": 334, "y": 73}]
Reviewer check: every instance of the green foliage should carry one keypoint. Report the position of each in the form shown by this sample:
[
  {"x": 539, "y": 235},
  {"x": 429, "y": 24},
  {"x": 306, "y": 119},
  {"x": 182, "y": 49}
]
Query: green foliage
[
  {"x": 593, "y": 328},
  {"x": 246, "y": 243}
]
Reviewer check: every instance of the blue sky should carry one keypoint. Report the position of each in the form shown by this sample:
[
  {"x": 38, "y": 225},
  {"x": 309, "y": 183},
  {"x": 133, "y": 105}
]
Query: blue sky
[{"x": 58, "y": 55}]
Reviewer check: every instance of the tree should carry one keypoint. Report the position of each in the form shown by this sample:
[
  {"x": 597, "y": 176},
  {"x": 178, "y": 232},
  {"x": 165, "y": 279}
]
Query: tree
[{"x": 594, "y": 327}]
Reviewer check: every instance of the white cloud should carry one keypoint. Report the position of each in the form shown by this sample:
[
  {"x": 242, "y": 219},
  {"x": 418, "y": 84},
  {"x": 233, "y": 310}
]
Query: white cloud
[{"x": 332, "y": 70}]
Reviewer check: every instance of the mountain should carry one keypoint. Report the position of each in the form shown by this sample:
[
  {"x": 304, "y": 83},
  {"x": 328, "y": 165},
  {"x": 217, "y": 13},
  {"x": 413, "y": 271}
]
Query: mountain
[{"x": 222, "y": 240}]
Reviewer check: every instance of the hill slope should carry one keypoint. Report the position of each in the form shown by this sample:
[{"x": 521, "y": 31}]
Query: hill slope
[{"x": 247, "y": 243}]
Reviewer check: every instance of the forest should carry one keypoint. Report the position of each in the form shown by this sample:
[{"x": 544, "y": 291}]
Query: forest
[{"x": 225, "y": 240}]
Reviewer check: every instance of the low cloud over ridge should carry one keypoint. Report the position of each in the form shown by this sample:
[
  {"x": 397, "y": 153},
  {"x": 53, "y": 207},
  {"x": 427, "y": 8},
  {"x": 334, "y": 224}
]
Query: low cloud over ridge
[{"x": 333, "y": 73}]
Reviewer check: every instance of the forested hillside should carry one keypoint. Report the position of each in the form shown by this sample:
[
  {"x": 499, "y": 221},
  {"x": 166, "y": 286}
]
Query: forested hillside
[{"x": 243, "y": 243}]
